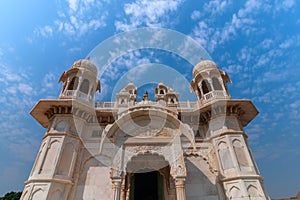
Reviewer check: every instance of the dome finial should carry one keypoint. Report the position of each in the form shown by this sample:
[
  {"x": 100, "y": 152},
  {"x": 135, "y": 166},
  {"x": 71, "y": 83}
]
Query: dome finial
[{"x": 145, "y": 97}]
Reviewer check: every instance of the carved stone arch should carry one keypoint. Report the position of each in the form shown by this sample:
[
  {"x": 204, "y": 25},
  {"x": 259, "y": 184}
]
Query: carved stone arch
[
  {"x": 91, "y": 161},
  {"x": 66, "y": 159},
  {"x": 126, "y": 124},
  {"x": 73, "y": 82},
  {"x": 222, "y": 145},
  {"x": 235, "y": 192},
  {"x": 206, "y": 86},
  {"x": 216, "y": 83},
  {"x": 25, "y": 195},
  {"x": 39, "y": 158},
  {"x": 85, "y": 86},
  {"x": 61, "y": 125},
  {"x": 50, "y": 157},
  {"x": 237, "y": 143},
  {"x": 240, "y": 153},
  {"x": 52, "y": 142},
  {"x": 145, "y": 162},
  {"x": 224, "y": 155},
  {"x": 86, "y": 162},
  {"x": 253, "y": 191},
  {"x": 56, "y": 194},
  {"x": 37, "y": 194}
]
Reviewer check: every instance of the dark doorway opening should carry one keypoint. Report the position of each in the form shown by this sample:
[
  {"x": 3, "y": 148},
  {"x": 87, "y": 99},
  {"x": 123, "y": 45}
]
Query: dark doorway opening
[{"x": 147, "y": 186}]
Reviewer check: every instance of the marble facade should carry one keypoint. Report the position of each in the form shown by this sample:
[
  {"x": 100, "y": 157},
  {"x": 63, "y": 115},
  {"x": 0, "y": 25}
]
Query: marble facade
[{"x": 194, "y": 150}]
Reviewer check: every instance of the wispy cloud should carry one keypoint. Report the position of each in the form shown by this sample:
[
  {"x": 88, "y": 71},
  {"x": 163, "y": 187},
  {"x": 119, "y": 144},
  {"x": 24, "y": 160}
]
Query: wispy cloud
[
  {"x": 76, "y": 19},
  {"x": 284, "y": 5},
  {"x": 216, "y": 6},
  {"x": 45, "y": 31},
  {"x": 243, "y": 20},
  {"x": 149, "y": 13},
  {"x": 196, "y": 14}
]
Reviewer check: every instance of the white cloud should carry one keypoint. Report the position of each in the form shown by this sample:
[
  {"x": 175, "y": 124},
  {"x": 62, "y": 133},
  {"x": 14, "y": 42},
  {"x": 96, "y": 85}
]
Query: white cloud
[
  {"x": 149, "y": 13},
  {"x": 204, "y": 35},
  {"x": 73, "y": 4},
  {"x": 124, "y": 63},
  {"x": 8, "y": 75},
  {"x": 286, "y": 44},
  {"x": 45, "y": 31},
  {"x": 284, "y": 4},
  {"x": 25, "y": 88},
  {"x": 216, "y": 6},
  {"x": 266, "y": 43},
  {"x": 77, "y": 19},
  {"x": 249, "y": 7},
  {"x": 11, "y": 90},
  {"x": 233, "y": 69},
  {"x": 295, "y": 105},
  {"x": 210, "y": 36},
  {"x": 196, "y": 14}
]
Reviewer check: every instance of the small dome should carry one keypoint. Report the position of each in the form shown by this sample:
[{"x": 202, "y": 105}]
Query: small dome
[
  {"x": 86, "y": 64},
  {"x": 204, "y": 65},
  {"x": 131, "y": 85}
]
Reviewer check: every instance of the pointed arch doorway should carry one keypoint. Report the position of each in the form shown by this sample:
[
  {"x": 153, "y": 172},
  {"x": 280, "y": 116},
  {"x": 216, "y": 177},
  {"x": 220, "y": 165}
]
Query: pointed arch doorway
[
  {"x": 148, "y": 178},
  {"x": 147, "y": 186}
]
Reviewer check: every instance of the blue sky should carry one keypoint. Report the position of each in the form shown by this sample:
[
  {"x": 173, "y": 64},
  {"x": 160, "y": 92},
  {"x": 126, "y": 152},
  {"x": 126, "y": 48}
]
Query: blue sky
[{"x": 256, "y": 42}]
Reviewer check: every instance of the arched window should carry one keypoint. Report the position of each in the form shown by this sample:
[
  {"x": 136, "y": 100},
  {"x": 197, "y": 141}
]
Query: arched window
[
  {"x": 73, "y": 84},
  {"x": 199, "y": 92},
  {"x": 85, "y": 86},
  {"x": 205, "y": 87},
  {"x": 240, "y": 153},
  {"x": 161, "y": 92},
  {"x": 172, "y": 100},
  {"x": 216, "y": 84},
  {"x": 61, "y": 126},
  {"x": 224, "y": 155}
]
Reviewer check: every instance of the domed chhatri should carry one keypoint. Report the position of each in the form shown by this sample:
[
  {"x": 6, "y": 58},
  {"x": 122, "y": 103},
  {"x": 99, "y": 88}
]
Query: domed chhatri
[
  {"x": 204, "y": 65},
  {"x": 86, "y": 64},
  {"x": 80, "y": 82}
]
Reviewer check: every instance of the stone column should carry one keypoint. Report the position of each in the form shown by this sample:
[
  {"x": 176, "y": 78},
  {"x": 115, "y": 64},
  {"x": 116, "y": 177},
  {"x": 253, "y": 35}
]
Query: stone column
[
  {"x": 116, "y": 188},
  {"x": 89, "y": 96},
  {"x": 180, "y": 188},
  {"x": 123, "y": 189}
]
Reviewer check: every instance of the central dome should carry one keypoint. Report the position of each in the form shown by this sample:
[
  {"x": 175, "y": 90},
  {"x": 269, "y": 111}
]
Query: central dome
[
  {"x": 204, "y": 65},
  {"x": 86, "y": 64}
]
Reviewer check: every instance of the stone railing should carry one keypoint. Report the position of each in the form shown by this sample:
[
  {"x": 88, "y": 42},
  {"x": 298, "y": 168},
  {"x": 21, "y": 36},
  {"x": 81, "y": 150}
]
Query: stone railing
[
  {"x": 216, "y": 94},
  {"x": 188, "y": 105},
  {"x": 180, "y": 105},
  {"x": 76, "y": 94},
  {"x": 105, "y": 105}
]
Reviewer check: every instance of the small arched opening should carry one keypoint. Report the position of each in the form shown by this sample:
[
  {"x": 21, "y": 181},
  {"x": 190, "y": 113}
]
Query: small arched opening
[
  {"x": 216, "y": 84},
  {"x": 85, "y": 86},
  {"x": 205, "y": 86},
  {"x": 73, "y": 84},
  {"x": 148, "y": 177}
]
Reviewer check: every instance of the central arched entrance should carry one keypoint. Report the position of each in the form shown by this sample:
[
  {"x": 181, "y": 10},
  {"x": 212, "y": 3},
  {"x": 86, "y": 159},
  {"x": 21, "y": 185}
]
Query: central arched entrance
[
  {"x": 148, "y": 178},
  {"x": 147, "y": 186}
]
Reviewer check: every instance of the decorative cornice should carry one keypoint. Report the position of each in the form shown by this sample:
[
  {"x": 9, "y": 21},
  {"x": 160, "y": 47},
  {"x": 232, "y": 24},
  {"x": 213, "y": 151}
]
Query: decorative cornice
[{"x": 57, "y": 180}]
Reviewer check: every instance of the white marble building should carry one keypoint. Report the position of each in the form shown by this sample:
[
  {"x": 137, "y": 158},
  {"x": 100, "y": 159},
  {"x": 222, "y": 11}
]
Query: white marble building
[{"x": 129, "y": 150}]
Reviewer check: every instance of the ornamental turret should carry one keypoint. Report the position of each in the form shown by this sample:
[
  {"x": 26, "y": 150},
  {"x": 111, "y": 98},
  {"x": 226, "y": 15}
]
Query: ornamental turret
[
  {"x": 80, "y": 82},
  {"x": 209, "y": 82},
  {"x": 127, "y": 96},
  {"x": 166, "y": 96}
]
